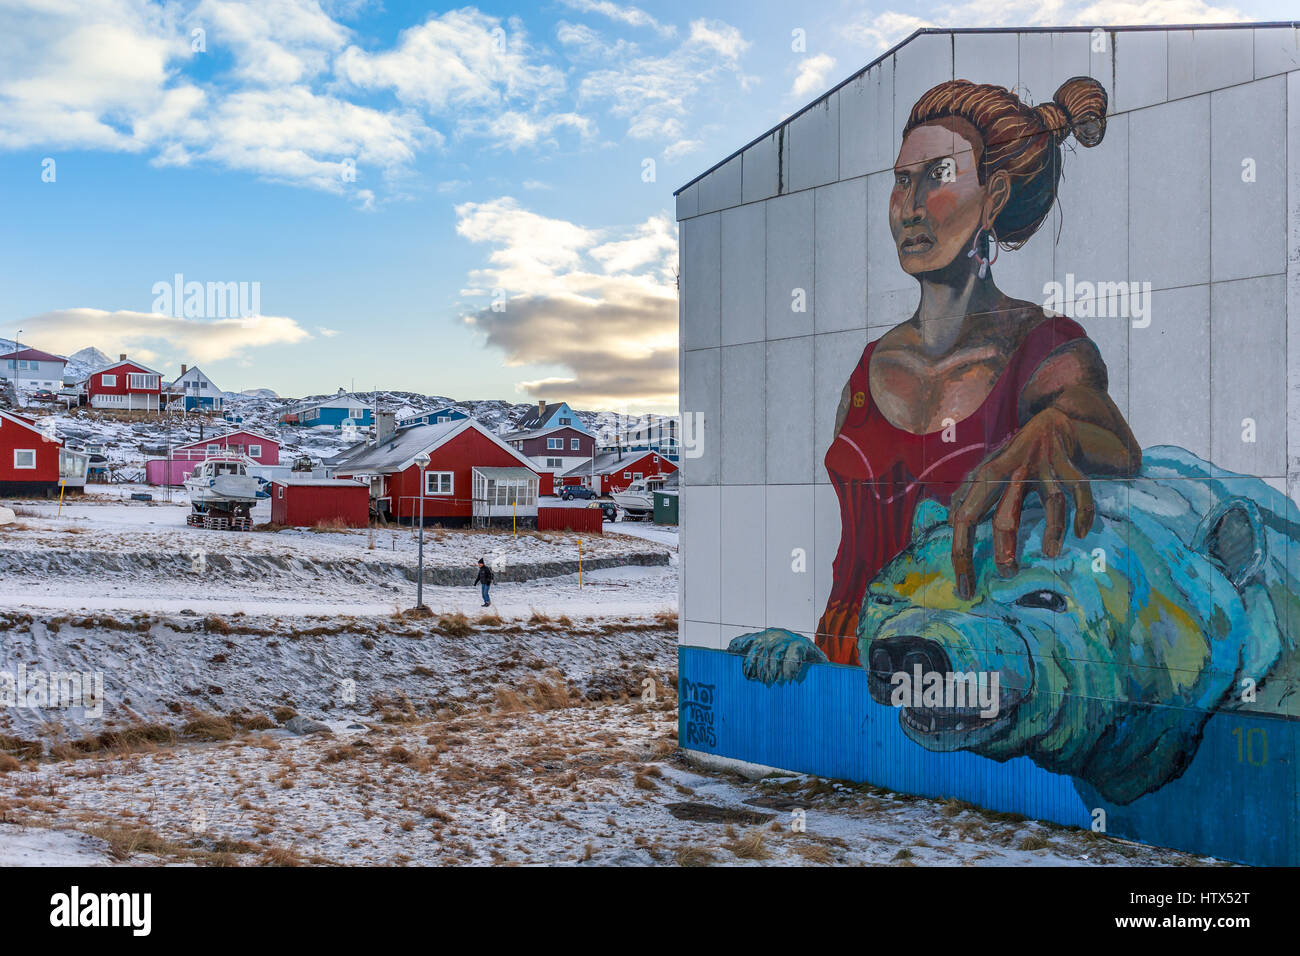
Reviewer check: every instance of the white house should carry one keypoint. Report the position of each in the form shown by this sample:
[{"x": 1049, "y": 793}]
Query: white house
[
  {"x": 33, "y": 369},
  {"x": 198, "y": 391}
]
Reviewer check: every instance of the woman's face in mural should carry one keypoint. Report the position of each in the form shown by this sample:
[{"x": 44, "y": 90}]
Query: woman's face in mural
[{"x": 938, "y": 201}]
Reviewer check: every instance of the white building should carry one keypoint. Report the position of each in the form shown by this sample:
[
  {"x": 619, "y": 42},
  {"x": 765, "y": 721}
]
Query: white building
[
  {"x": 198, "y": 391},
  {"x": 32, "y": 369}
]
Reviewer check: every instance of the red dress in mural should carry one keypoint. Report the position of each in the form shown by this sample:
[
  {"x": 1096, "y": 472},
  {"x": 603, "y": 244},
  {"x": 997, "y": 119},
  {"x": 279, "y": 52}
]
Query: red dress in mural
[{"x": 880, "y": 472}]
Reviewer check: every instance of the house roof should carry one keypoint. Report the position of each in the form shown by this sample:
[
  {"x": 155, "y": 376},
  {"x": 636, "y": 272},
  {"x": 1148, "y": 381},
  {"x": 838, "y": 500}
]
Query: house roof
[
  {"x": 538, "y": 432},
  {"x": 534, "y": 419},
  {"x": 952, "y": 31},
  {"x": 505, "y": 474},
  {"x": 190, "y": 371},
  {"x": 27, "y": 423},
  {"x": 132, "y": 362},
  {"x": 609, "y": 462},
  {"x": 34, "y": 354},
  {"x": 397, "y": 452},
  {"x": 319, "y": 482},
  {"x": 429, "y": 411},
  {"x": 218, "y": 439}
]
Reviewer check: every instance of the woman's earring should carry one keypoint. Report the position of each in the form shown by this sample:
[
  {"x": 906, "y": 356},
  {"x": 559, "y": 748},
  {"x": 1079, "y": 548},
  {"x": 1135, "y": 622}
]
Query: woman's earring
[{"x": 975, "y": 251}]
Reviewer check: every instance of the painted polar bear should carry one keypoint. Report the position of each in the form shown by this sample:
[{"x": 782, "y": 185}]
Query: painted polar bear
[{"x": 1108, "y": 660}]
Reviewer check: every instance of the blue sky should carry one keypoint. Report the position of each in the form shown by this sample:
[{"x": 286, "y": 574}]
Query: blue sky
[{"x": 498, "y": 151}]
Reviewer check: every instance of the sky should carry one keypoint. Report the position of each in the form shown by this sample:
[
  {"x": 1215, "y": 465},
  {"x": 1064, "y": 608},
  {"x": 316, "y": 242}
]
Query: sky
[{"x": 471, "y": 201}]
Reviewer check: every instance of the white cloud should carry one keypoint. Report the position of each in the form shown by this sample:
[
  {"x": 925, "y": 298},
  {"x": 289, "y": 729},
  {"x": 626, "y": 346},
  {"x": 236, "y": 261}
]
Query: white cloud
[
  {"x": 274, "y": 42},
  {"x": 327, "y": 333},
  {"x": 600, "y": 304},
  {"x": 813, "y": 74},
  {"x": 652, "y": 93},
  {"x": 141, "y": 333},
  {"x": 682, "y": 147},
  {"x": 629, "y": 15},
  {"x": 461, "y": 59},
  {"x": 883, "y": 30},
  {"x": 298, "y": 102}
]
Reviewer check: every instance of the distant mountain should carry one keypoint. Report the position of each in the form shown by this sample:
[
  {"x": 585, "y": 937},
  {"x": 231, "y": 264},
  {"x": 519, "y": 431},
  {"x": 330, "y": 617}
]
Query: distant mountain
[
  {"x": 82, "y": 363},
  {"x": 254, "y": 393}
]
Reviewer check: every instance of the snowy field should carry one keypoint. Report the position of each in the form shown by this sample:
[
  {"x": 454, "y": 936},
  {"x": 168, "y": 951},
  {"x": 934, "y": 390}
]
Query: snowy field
[
  {"x": 535, "y": 778},
  {"x": 270, "y": 698}
]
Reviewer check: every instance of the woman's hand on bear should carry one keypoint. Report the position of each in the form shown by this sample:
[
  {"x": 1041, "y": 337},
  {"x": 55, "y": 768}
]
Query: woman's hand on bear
[{"x": 1042, "y": 456}]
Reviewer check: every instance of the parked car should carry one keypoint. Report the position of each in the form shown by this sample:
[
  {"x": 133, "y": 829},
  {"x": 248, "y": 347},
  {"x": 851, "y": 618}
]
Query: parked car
[
  {"x": 43, "y": 395},
  {"x": 569, "y": 492},
  {"x": 608, "y": 510}
]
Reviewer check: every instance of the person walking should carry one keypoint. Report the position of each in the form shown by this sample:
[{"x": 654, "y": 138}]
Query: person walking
[{"x": 484, "y": 580}]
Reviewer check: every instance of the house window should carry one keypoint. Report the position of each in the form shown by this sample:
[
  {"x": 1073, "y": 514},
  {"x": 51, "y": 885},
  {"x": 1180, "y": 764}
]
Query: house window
[
  {"x": 574, "y": 444},
  {"x": 443, "y": 418},
  {"x": 279, "y": 491},
  {"x": 555, "y": 463},
  {"x": 139, "y": 380},
  {"x": 214, "y": 449},
  {"x": 637, "y": 475},
  {"x": 24, "y": 457},
  {"x": 254, "y": 451},
  {"x": 627, "y": 474},
  {"x": 566, "y": 421},
  {"x": 555, "y": 444},
  {"x": 108, "y": 381},
  {"x": 437, "y": 482}
]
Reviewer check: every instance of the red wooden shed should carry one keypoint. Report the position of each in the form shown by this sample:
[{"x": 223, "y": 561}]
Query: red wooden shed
[{"x": 306, "y": 502}]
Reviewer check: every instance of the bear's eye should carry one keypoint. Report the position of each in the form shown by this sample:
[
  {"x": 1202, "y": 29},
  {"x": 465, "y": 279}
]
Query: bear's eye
[
  {"x": 883, "y": 599},
  {"x": 1047, "y": 600}
]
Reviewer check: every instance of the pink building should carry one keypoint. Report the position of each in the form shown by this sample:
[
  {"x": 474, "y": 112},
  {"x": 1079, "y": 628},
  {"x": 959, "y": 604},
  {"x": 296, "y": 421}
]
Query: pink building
[{"x": 259, "y": 448}]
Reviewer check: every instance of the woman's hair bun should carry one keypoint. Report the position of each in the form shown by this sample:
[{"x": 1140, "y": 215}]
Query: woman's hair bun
[{"x": 1082, "y": 102}]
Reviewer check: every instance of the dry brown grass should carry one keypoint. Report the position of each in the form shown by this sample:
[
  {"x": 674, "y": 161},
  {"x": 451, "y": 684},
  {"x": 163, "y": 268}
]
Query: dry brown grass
[
  {"x": 205, "y": 726},
  {"x": 455, "y": 625},
  {"x": 751, "y": 846},
  {"x": 125, "y": 842},
  {"x": 666, "y": 618},
  {"x": 694, "y": 856},
  {"x": 1034, "y": 841},
  {"x": 815, "y": 853},
  {"x": 8, "y": 764}
]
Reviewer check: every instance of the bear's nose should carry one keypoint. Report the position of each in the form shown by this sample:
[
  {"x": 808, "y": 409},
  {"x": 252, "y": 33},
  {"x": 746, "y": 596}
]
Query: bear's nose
[{"x": 905, "y": 653}]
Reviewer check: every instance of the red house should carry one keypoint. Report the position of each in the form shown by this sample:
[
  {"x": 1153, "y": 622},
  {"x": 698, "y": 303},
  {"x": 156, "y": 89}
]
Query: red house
[
  {"x": 32, "y": 462},
  {"x": 614, "y": 471},
  {"x": 125, "y": 385},
  {"x": 261, "y": 449},
  {"x": 472, "y": 474},
  {"x": 307, "y": 502}
]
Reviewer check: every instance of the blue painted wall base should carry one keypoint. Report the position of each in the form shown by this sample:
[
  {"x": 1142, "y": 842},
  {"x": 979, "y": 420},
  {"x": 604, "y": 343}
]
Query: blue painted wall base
[{"x": 1237, "y": 799}]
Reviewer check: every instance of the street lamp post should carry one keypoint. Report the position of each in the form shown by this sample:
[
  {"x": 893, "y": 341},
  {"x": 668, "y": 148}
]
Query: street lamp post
[
  {"x": 18, "y": 376},
  {"x": 421, "y": 462}
]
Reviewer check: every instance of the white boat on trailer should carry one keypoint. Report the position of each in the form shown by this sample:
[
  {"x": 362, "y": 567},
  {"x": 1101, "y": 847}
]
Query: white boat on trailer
[
  {"x": 638, "y": 499},
  {"x": 223, "y": 493}
]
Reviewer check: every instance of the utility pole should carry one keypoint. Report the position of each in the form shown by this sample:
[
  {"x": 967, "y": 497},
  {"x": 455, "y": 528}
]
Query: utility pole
[{"x": 421, "y": 462}]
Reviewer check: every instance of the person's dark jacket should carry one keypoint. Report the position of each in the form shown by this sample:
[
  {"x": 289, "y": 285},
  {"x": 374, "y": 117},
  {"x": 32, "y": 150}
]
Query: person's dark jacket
[{"x": 484, "y": 575}]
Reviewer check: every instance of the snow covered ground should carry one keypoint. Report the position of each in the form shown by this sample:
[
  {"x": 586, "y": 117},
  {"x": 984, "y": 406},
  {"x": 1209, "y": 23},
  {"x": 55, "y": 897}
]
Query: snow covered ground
[
  {"x": 511, "y": 735},
  {"x": 536, "y": 777}
]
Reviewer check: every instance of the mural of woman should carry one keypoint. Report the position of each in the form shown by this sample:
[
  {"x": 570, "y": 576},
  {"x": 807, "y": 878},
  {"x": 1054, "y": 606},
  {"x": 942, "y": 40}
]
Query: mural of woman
[{"x": 978, "y": 398}]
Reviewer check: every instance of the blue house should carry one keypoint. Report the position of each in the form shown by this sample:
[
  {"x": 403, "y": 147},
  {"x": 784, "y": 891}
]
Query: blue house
[
  {"x": 197, "y": 390},
  {"x": 550, "y": 415},
  {"x": 340, "y": 412},
  {"x": 434, "y": 416}
]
